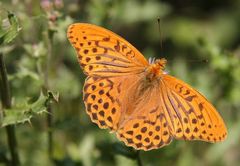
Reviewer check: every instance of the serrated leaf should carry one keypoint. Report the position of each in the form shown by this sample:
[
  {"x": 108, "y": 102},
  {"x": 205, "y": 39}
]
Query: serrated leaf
[
  {"x": 24, "y": 112},
  {"x": 9, "y": 29}
]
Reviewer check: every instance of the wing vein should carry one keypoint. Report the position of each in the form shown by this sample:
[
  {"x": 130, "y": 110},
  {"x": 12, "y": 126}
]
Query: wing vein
[{"x": 164, "y": 103}]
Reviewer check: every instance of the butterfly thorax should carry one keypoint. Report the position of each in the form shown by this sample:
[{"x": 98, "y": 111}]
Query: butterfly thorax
[{"x": 156, "y": 69}]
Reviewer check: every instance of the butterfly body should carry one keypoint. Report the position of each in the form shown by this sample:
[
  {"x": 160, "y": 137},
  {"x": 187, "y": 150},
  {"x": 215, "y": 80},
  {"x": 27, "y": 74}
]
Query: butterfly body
[
  {"x": 144, "y": 105},
  {"x": 156, "y": 69}
]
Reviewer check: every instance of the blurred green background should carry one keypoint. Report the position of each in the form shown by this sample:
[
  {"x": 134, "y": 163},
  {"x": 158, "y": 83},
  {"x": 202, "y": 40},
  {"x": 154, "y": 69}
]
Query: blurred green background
[{"x": 192, "y": 31}]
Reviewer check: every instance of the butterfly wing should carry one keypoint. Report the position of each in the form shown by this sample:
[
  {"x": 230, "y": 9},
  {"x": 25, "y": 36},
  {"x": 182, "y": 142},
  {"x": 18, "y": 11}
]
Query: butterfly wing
[
  {"x": 146, "y": 131},
  {"x": 143, "y": 124},
  {"x": 166, "y": 110},
  {"x": 104, "y": 97},
  {"x": 104, "y": 53},
  {"x": 118, "y": 103},
  {"x": 190, "y": 115}
]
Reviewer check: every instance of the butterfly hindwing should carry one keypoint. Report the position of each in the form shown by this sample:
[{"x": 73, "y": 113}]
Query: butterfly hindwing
[
  {"x": 100, "y": 98},
  {"x": 104, "y": 99},
  {"x": 144, "y": 125}
]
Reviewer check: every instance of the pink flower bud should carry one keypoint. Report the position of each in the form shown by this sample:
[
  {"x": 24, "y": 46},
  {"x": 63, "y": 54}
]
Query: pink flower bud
[
  {"x": 46, "y": 5},
  {"x": 58, "y": 4}
]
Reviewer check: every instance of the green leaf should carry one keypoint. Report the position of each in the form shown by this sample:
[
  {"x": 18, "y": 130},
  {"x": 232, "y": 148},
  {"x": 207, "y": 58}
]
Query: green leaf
[
  {"x": 9, "y": 29},
  {"x": 35, "y": 50},
  {"x": 24, "y": 112},
  {"x": 25, "y": 72}
]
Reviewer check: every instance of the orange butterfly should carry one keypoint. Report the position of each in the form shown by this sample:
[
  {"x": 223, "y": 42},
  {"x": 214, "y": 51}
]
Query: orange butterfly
[{"x": 135, "y": 98}]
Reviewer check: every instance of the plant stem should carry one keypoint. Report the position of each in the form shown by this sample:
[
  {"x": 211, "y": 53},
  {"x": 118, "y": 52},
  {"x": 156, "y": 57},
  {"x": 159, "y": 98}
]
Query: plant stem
[
  {"x": 6, "y": 102},
  {"x": 139, "y": 161},
  {"x": 50, "y": 133},
  {"x": 46, "y": 78}
]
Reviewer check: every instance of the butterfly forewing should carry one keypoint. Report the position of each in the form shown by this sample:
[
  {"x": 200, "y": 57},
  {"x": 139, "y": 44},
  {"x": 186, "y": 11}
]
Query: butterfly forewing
[
  {"x": 103, "y": 53},
  {"x": 193, "y": 116}
]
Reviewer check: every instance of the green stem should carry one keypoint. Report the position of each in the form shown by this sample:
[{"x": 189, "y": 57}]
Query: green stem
[
  {"x": 50, "y": 133},
  {"x": 139, "y": 161},
  {"x": 46, "y": 77},
  {"x": 6, "y": 102}
]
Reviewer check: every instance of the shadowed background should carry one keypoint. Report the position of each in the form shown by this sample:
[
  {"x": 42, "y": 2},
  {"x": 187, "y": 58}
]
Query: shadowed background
[{"x": 191, "y": 32}]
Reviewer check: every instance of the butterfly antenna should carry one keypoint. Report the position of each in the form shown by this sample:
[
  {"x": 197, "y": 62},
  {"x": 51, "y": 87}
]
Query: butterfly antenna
[
  {"x": 160, "y": 36},
  {"x": 198, "y": 60},
  {"x": 205, "y": 60}
]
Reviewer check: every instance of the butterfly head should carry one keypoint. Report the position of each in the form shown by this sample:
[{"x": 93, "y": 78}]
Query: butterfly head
[{"x": 156, "y": 69}]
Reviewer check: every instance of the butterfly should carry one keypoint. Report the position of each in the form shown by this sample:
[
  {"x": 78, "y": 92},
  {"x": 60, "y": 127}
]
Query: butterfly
[{"x": 137, "y": 99}]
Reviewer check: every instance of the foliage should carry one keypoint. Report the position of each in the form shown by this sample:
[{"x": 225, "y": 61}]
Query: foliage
[
  {"x": 40, "y": 59},
  {"x": 9, "y": 31},
  {"x": 24, "y": 111}
]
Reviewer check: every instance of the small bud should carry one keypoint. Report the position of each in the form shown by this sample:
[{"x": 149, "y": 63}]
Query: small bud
[
  {"x": 58, "y": 4},
  {"x": 52, "y": 17},
  {"x": 46, "y": 5}
]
